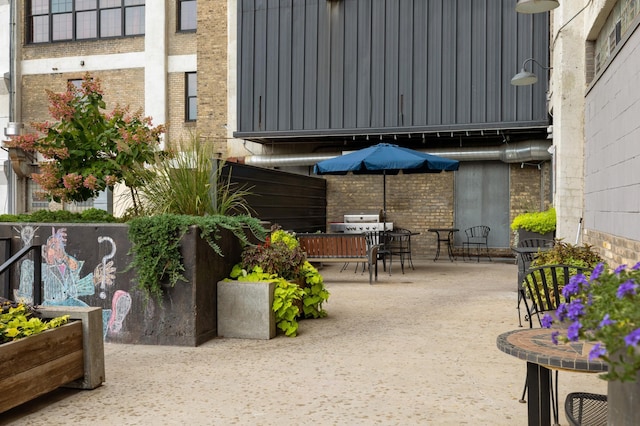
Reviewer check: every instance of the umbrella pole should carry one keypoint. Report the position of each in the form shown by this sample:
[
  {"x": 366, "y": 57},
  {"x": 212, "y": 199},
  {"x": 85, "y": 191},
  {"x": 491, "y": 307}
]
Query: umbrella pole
[{"x": 384, "y": 200}]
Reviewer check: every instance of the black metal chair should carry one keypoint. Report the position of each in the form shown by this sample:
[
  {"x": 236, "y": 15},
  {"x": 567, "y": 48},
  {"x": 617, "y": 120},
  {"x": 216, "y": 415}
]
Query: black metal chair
[
  {"x": 543, "y": 286},
  {"x": 524, "y": 259},
  {"x": 586, "y": 409},
  {"x": 399, "y": 244},
  {"x": 478, "y": 237}
]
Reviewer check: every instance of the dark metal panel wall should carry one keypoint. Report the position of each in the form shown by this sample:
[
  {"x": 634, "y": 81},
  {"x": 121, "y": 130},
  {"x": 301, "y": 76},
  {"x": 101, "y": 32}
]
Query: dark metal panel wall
[{"x": 314, "y": 65}]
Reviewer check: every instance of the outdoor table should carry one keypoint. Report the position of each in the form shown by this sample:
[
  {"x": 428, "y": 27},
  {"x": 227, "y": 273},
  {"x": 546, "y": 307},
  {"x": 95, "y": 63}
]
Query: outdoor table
[
  {"x": 534, "y": 346},
  {"x": 446, "y": 239}
]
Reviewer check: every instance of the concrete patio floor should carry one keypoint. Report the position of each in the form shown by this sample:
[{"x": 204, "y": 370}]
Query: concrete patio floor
[{"x": 412, "y": 349}]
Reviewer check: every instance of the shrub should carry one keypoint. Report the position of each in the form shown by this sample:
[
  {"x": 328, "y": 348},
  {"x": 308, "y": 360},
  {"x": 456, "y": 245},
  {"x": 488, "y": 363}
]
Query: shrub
[{"x": 539, "y": 222}]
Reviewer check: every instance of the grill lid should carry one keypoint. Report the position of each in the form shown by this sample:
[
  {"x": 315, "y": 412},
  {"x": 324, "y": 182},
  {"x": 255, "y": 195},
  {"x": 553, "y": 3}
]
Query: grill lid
[{"x": 361, "y": 218}]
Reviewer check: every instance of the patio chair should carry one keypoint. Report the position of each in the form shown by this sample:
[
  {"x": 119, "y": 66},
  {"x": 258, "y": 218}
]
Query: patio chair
[
  {"x": 543, "y": 286},
  {"x": 379, "y": 238},
  {"x": 582, "y": 408},
  {"x": 400, "y": 245},
  {"x": 477, "y": 236},
  {"x": 524, "y": 259}
]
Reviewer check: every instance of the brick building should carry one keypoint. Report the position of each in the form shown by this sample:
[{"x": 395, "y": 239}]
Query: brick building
[{"x": 218, "y": 70}]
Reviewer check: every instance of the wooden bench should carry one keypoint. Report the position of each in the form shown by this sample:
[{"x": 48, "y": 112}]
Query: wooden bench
[{"x": 338, "y": 248}]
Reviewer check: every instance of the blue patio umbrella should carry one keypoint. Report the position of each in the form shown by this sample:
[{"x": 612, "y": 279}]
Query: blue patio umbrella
[{"x": 385, "y": 159}]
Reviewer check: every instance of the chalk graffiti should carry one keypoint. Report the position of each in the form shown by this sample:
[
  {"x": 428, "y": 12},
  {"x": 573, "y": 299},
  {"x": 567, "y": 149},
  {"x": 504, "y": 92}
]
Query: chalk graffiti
[{"x": 63, "y": 283}]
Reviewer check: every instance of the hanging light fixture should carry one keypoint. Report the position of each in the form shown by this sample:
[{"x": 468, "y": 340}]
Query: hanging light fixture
[
  {"x": 536, "y": 6},
  {"x": 524, "y": 77}
]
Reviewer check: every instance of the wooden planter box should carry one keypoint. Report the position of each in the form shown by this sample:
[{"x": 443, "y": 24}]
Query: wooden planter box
[{"x": 71, "y": 355}]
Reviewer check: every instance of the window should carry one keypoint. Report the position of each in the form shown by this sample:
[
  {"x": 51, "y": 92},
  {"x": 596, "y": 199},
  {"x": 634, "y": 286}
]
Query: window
[
  {"x": 191, "y": 96},
  {"x": 187, "y": 16},
  {"x": 67, "y": 20}
]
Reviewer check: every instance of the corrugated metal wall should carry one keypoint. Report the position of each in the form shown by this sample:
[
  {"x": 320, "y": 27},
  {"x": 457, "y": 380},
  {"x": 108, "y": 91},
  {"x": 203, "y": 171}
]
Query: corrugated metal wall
[{"x": 319, "y": 66}]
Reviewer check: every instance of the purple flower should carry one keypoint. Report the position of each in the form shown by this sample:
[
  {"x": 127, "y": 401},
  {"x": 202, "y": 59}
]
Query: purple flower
[
  {"x": 561, "y": 311},
  {"x": 627, "y": 288},
  {"x": 606, "y": 321},
  {"x": 636, "y": 266},
  {"x": 546, "y": 321},
  {"x": 596, "y": 352},
  {"x": 620, "y": 269},
  {"x": 573, "y": 332},
  {"x": 554, "y": 337},
  {"x": 573, "y": 286},
  {"x": 632, "y": 338},
  {"x": 575, "y": 309},
  {"x": 597, "y": 271}
]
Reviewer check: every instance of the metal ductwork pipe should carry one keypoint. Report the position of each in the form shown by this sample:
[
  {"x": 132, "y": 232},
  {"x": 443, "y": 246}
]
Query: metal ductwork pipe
[{"x": 518, "y": 152}]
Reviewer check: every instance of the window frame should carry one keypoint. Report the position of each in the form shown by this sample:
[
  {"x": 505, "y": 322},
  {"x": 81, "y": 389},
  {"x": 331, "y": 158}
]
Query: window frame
[
  {"x": 179, "y": 12},
  {"x": 188, "y": 113},
  {"x": 131, "y": 21}
]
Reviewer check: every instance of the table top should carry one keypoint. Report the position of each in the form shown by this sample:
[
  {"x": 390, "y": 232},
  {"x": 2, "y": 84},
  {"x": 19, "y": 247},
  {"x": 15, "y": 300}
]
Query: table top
[
  {"x": 535, "y": 345},
  {"x": 443, "y": 229}
]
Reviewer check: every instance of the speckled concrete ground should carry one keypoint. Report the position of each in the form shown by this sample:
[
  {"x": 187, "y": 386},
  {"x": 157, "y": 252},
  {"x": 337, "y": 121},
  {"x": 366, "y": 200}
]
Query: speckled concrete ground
[{"x": 412, "y": 349}]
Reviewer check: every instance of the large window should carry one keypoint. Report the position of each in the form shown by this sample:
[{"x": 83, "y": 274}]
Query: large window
[
  {"x": 191, "y": 96},
  {"x": 187, "y": 16},
  {"x": 66, "y": 20}
]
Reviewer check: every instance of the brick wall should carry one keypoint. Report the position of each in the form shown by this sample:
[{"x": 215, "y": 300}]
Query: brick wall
[
  {"x": 615, "y": 250},
  {"x": 212, "y": 73}
]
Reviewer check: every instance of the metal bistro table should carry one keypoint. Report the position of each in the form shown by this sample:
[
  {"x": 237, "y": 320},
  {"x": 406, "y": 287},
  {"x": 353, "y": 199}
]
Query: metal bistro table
[
  {"x": 444, "y": 239},
  {"x": 536, "y": 348}
]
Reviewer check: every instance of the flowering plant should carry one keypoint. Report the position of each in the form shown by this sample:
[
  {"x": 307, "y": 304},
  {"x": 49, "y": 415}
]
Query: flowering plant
[
  {"x": 604, "y": 308},
  {"x": 87, "y": 149}
]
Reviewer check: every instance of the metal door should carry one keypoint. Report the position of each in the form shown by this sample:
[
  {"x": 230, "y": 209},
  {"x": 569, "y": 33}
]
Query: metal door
[{"x": 482, "y": 198}]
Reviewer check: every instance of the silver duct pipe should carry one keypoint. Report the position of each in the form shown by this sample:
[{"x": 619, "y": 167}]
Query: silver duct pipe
[{"x": 518, "y": 152}]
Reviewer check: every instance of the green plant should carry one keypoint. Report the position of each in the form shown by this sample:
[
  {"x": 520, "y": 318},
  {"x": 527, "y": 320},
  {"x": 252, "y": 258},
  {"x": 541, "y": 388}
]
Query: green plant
[
  {"x": 156, "y": 244},
  {"x": 563, "y": 253},
  {"x": 604, "y": 309},
  {"x": 568, "y": 254},
  {"x": 300, "y": 290},
  {"x": 190, "y": 182},
  {"x": 540, "y": 222},
  {"x": 18, "y": 321},
  {"x": 88, "y": 150},
  {"x": 58, "y": 216}
]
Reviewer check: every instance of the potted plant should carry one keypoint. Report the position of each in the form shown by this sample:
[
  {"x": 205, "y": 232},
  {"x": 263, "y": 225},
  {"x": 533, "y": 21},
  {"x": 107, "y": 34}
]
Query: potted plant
[
  {"x": 299, "y": 288},
  {"x": 45, "y": 348},
  {"x": 534, "y": 225},
  {"x": 604, "y": 309}
]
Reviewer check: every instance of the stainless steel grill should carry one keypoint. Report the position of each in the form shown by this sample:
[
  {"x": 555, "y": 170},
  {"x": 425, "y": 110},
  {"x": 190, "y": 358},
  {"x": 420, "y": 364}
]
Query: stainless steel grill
[{"x": 358, "y": 223}]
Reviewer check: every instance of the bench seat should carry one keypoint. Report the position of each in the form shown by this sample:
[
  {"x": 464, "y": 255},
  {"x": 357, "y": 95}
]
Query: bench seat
[{"x": 339, "y": 248}]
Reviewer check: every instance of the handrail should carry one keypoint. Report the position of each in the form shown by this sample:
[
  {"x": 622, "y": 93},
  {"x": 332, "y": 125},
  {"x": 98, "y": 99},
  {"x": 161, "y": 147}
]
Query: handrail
[
  {"x": 7, "y": 254},
  {"x": 37, "y": 270}
]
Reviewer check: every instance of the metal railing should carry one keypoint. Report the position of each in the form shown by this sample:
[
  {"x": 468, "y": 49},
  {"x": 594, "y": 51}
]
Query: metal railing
[{"x": 37, "y": 268}]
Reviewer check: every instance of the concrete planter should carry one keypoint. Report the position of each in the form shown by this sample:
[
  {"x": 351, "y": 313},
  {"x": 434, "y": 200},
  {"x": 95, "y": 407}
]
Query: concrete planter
[
  {"x": 245, "y": 310},
  {"x": 623, "y": 400},
  {"x": 71, "y": 355},
  {"x": 522, "y": 234}
]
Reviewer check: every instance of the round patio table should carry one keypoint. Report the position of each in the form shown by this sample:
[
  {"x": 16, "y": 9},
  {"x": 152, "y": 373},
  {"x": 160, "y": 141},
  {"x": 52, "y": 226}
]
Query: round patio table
[{"x": 536, "y": 348}]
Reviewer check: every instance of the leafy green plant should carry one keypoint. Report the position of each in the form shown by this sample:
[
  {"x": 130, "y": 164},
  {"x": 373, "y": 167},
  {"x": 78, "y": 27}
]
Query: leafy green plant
[
  {"x": 300, "y": 290},
  {"x": 18, "y": 321},
  {"x": 568, "y": 254},
  {"x": 59, "y": 216},
  {"x": 156, "y": 244},
  {"x": 563, "y": 253},
  {"x": 604, "y": 309},
  {"x": 539, "y": 222},
  {"x": 87, "y": 150}
]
